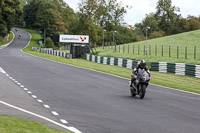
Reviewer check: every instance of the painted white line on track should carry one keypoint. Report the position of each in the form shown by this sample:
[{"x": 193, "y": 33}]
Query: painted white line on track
[
  {"x": 7, "y": 75},
  {"x": 34, "y": 96},
  {"x": 25, "y": 89},
  {"x": 21, "y": 86},
  {"x": 19, "y": 83},
  {"x": 40, "y": 101},
  {"x": 42, "y": 117},
  {"x": 74, "y": 129},
  {"x": 63, "y": 121},
  {"x": 46, "y": 106},
  {"x": 29, "y": 92},
  {"x": 54, "y": 113},
  {"x": 11, "y": 77},
  {"x": 1, "y": 70}
]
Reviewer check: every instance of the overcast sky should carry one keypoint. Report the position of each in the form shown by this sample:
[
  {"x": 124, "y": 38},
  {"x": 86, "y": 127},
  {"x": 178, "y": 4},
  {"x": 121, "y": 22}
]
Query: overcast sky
[{"x": 142, "y": 7}]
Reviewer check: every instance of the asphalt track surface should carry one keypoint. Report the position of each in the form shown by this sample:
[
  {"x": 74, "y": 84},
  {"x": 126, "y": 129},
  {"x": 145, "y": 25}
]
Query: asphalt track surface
[{"x": 95, "y": 102}]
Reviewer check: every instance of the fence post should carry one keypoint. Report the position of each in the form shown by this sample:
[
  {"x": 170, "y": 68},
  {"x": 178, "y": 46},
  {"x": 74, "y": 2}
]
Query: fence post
[
  {"x": 195, "y": 52},
  {"x": 149, "y": 49},
  {"x": 133, "y": 49},
  {"x": 169, "y": 51},
  {"x": 177, "y": 51},
  {"x": 156, "y": 50},
  {"x": 138, "y": 49},
  {"x": 162, "y": 50},
  {"x": 123, "y": 48},
  {"x": 115, "y": 47},
  {"x": 186, "y": 52},
  {"x": 144, "y": 49},
  {"x": 128, "y": 48}
]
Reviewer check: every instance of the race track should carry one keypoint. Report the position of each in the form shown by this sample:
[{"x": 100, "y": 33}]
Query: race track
[{"x": 95, "y": 102}]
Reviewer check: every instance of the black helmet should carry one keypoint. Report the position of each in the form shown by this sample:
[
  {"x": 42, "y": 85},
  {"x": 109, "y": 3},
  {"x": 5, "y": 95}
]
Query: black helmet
[{"x": 143, "y": 63}]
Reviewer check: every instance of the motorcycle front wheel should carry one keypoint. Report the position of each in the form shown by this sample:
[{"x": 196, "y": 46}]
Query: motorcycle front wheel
[
  {"x": 133, "y": 93},
  {"x": 142, "y": 91}
]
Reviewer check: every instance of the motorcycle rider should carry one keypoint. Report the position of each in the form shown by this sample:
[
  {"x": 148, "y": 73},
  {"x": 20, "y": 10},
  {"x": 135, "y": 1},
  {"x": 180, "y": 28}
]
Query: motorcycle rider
[
  {"x": 19, "y": 36},
  {"x": 141, "y": 65}
]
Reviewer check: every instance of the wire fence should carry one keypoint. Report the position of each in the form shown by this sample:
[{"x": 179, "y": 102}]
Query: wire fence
[{"x": 171, "y": 51}]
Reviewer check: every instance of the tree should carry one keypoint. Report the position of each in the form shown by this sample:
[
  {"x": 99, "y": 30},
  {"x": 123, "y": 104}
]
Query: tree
[
  {"x": 105, "y": 13},
  {"x": 8, "y": 14},
  {"x": 148, "y": 21},
  {"x": 44, "y": 14},
  {"x": 166, "y": 14},
  {"x": 97, "y": 15},
  {"x": 193, "y": 23}
]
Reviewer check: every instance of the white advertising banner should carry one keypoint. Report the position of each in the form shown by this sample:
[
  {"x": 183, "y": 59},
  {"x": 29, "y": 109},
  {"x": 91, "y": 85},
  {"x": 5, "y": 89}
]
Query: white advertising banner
[{"x": 74, "y": 38}]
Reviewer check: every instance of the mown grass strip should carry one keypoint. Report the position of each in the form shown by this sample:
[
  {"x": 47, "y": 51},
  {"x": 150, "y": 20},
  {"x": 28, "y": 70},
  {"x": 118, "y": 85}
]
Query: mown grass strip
[
  {"x": 16, "y": 125},
  {"x": 169, "y": 80},
  {"x": 189, "y": 39}
]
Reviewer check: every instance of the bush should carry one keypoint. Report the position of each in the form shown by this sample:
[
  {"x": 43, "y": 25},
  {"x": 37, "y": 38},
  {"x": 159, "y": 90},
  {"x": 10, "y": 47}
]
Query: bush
[
  {"x": 157, "y": 34},
  {"x": 49, "y": 43}
]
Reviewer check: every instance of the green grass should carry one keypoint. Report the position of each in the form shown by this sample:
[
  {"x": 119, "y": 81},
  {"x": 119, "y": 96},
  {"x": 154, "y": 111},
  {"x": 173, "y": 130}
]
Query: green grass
[
  {"x": 189, "y": 39},
  {"x": 34, "y": 40},
  {"x": 16, "y": 125},
  {"x": 67, "y": 51},
  {"x": 3, "y": 42}
]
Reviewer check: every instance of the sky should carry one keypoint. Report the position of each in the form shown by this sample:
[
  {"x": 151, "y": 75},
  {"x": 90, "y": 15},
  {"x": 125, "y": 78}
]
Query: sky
[{"x": 142, "y": 7}]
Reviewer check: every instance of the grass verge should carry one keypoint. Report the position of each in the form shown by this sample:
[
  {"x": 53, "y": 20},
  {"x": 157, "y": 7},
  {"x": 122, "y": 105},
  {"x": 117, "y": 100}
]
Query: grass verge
[
  {"x": 169, "y": 80},
  {"x": 154, "y": 49},
  {"x": 3, "y": 42},
  {"x": 16, "y": 125}
]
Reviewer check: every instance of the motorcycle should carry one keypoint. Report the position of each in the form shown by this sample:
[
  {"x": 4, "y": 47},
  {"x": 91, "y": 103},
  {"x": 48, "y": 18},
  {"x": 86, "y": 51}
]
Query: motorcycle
[{"x": 140, "y": 84}]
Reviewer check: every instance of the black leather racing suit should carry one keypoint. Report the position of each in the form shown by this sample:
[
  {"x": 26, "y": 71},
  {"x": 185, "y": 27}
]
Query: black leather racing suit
[{"x": 135, "y": 71}]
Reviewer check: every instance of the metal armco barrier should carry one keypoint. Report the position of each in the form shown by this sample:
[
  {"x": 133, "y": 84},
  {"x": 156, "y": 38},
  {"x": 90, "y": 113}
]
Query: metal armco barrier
[
  {"x": 165, "y": 67},
  {"x": 56, "y": 53}
]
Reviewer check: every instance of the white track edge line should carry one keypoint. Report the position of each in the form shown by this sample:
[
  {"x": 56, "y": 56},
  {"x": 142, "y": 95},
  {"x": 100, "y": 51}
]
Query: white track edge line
[{"x": 42, "y": 117}]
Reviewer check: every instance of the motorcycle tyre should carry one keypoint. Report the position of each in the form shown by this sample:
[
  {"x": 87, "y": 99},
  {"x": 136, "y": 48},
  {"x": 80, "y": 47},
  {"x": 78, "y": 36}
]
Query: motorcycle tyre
[
  {"x": 142, "y": 91},
  {"x": 133, "y": 93}
]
